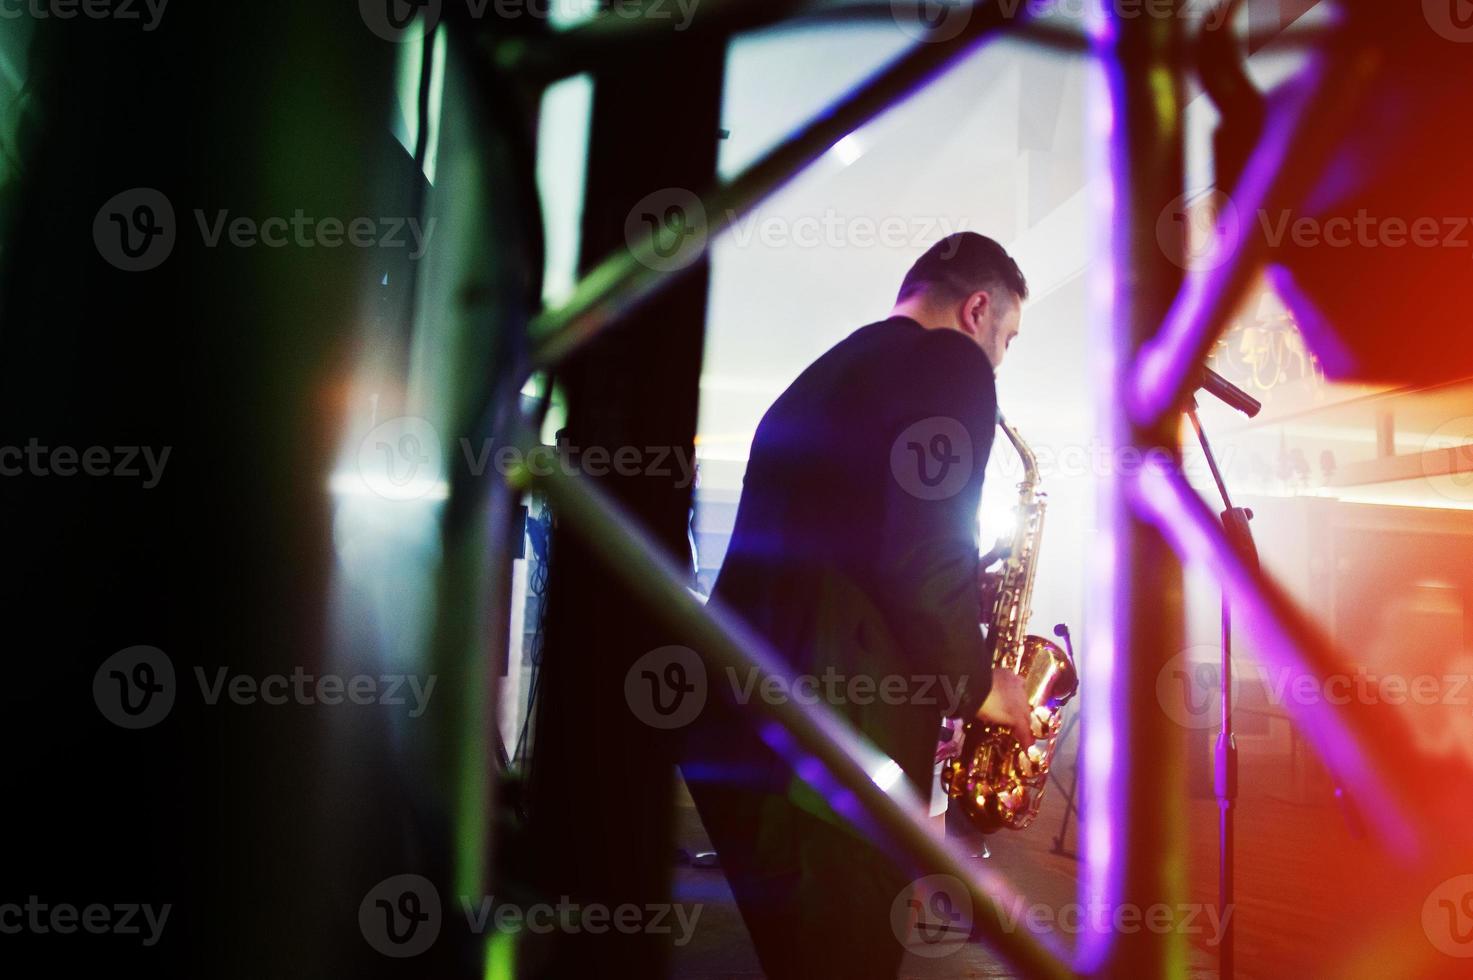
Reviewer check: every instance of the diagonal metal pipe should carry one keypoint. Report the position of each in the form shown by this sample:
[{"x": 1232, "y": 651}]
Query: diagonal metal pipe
[
  {"x": 609, "y": 40},
  {"x": 633, "y": 274},
  {"x": 1372, "y": 766},
  {"x": 838, "y": 762}
]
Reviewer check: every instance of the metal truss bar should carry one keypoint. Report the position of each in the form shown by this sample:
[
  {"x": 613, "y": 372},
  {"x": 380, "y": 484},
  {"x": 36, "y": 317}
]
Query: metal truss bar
[
  {"x": 631, "y": 275},
  {"x": 830, "y": 755},
  {"x": 610, "y": 40},
  {"x": 1294, "y": 151},
  {"x": 1289, "y": 640}
]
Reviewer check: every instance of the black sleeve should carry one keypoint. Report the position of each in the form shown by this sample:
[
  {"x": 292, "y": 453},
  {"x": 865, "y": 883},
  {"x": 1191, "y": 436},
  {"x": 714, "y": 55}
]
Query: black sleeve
[{"x": 942, "y": 437}]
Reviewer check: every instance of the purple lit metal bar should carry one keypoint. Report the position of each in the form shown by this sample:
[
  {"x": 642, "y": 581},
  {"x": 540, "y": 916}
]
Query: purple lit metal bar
[
  {"x": 1098, "y": 882},
  {"x": 822, "y": 748},
  {"x": 1290, "y": 640},
  {"x": 1133, "y": 821},
  {"x": 1291, "y": 155},
  {"x": 631, "y": 275}
]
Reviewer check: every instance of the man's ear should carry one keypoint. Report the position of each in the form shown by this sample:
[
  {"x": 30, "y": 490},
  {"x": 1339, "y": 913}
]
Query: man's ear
[{"x": 974, "y": 311}]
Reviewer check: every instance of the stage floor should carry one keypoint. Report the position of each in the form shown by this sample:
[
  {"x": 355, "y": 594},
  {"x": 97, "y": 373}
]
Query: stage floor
[{"x": 1302, "y": 876}]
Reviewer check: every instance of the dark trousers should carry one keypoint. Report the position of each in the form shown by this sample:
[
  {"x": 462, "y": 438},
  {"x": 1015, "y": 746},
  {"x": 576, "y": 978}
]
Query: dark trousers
[{"x": 815, "y": 896}]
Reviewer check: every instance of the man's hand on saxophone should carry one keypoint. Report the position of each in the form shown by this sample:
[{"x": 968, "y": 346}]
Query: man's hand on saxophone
[{"x": 1007, "y": 705}]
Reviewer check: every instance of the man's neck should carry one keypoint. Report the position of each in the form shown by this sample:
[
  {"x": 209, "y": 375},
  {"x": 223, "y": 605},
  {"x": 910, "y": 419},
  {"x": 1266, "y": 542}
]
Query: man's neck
[
  {"x": 926, "y": 317},
  {"x": 931, "y": 320}
]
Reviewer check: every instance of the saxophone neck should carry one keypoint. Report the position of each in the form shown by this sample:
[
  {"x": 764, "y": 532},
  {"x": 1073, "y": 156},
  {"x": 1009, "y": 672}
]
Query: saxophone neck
[{"x": 1025, "y": 453}]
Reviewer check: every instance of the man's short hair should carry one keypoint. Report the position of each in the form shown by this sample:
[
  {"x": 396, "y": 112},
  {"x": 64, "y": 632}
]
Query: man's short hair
[{"x": 961, "y": 264}]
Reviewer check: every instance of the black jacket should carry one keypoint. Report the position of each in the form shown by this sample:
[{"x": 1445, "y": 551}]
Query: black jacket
[{"x": 855, "y": 547}]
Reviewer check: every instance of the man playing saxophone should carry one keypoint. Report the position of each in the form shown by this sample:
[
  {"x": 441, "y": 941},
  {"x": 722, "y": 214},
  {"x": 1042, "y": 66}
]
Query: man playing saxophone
[{"x": 855, "y": 554}]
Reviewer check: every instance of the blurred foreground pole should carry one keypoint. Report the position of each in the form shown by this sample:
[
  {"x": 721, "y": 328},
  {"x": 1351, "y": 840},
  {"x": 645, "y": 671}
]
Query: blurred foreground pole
[
  {"x": 602, "y": 780},
  {"x": 217, "y": 356}
]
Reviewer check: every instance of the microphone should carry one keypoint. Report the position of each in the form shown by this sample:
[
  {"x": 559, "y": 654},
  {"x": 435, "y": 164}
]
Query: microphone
[
  {"x": 1062, "y": 632},
  {"x": 1233, "y": 396}
]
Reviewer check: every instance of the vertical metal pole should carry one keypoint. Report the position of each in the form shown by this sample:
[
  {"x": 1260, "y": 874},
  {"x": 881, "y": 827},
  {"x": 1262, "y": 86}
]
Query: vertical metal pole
[
  {"x": 1226, "y": 773},
  {"x": 1225, "y": 762},
  {"x": 602, "y": 781},
  {"x": 1134, "y": 838}
]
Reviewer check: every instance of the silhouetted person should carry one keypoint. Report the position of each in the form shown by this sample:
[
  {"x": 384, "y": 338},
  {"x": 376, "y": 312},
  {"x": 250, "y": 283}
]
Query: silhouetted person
[{"x": 855, "y": 556}]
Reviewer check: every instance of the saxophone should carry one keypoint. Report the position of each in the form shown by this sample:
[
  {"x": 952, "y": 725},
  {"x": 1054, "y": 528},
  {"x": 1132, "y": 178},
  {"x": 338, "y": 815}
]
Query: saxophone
[{"x": 999, "y": 784}]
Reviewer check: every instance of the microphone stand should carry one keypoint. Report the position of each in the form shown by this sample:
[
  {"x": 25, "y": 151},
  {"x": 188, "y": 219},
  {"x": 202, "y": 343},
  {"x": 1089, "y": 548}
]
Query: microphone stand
[
  {"x": 1225, "y": 767},
  {"x": 1071, "y": 807}
]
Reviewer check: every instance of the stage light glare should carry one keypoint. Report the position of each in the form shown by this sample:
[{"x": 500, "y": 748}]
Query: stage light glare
[{"x": 848, "y": 150}]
